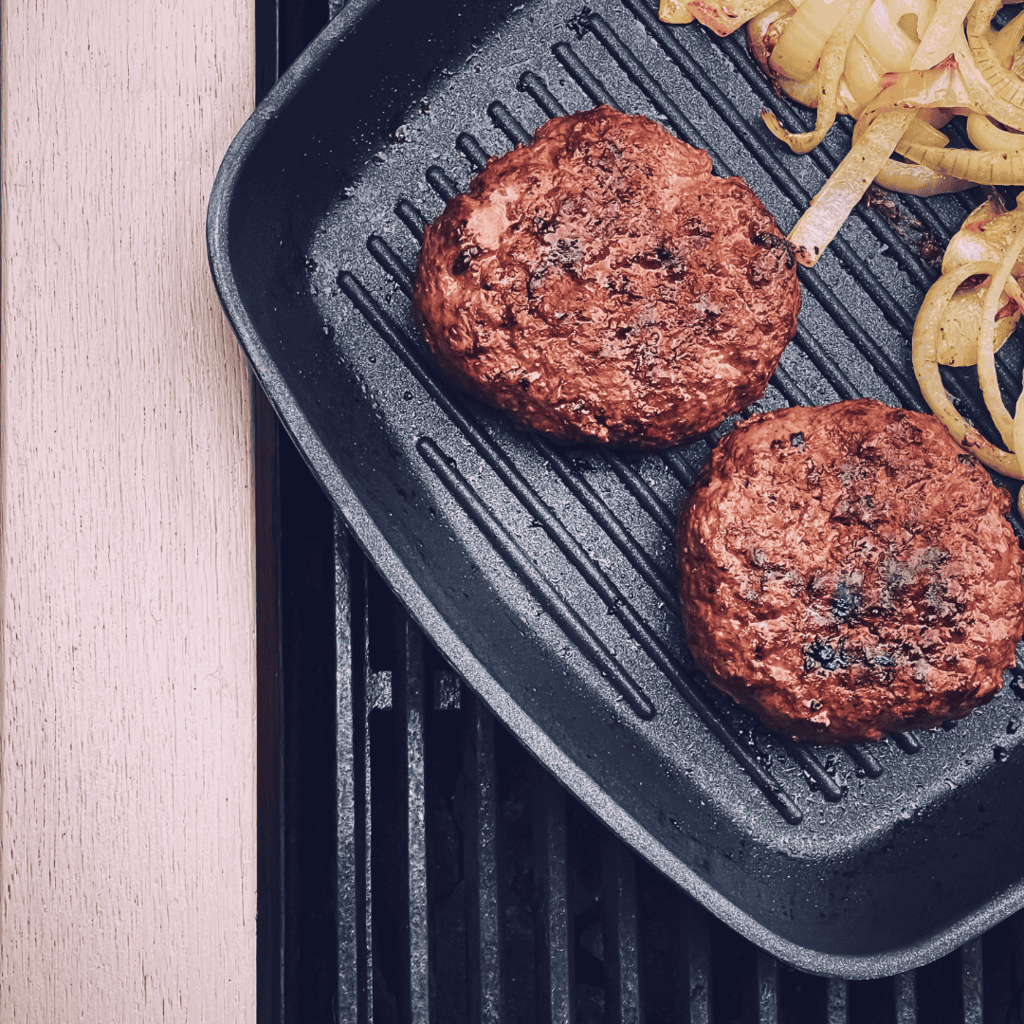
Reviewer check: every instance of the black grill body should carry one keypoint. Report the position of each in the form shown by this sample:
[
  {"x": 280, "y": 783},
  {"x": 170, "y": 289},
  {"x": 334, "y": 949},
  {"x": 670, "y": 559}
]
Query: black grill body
[
  {"x": 432, "y": 871},
  {"x": 415, "y": 863}
]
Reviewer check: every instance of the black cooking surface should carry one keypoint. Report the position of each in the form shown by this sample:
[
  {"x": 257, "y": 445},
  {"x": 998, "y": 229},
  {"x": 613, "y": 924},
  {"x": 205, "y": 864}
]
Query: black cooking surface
[{"x": 796, "y": 787}]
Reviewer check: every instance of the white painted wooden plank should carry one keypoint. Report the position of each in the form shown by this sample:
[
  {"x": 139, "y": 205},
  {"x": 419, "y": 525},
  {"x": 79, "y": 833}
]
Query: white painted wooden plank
[{"x": 127, "y": 763}]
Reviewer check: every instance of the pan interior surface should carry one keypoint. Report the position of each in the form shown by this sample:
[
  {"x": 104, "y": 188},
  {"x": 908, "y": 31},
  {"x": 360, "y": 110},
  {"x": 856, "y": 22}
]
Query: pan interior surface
[{"x": 546, "y": 573}]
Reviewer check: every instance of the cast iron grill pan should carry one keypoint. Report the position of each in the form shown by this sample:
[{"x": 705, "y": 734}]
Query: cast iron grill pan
[{"x": 545, "y": 573}]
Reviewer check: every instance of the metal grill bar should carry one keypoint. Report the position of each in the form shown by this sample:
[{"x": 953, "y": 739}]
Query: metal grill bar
[
  {"x": 656, "y": 576},
  {"x": 865, "y": 761},
  {"x": 410, "y": 705},
  {"x": 485, "y": 937},
  {"x": 905, "y": 997},
  {"x": 907, "y": 742},
  {"x": 353, "y": 882},
  {"x": 584, "y": 77},
  {"x": 971, "y": 982},
  {"x": 767, "y": 994},
  {"x": 507, "y": 122},
  {"x": 555, "y": 940},
  {"x": 621, "y": 942},
  {"x": 793, "y": 392},
  {"x": 363, "y": 783},
  {"x": 815, "y": 770},
  {"x": 837, "y": 1001},
  {"x": 558, "y": 608},
  {"x": 698, "y": 965},
  {"x": 650, "y": 502},
  {"x": 537, "y": 88}
]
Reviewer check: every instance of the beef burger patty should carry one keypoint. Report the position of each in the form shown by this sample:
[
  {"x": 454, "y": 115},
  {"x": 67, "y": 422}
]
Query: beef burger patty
[
  {"x": 601, "y": 285},
  {"x": 848, "y": 572}
]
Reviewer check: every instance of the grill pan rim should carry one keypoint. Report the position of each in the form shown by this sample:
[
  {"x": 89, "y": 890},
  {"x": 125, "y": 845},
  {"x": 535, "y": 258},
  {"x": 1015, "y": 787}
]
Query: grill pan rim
[{"x": 436, "y": 626}]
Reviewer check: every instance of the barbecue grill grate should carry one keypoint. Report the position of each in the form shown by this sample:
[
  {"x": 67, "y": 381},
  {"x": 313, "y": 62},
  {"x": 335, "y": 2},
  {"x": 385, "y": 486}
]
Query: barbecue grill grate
[
  {"x": 432, "y": 871},
  {"x": 415, "y": 863}
]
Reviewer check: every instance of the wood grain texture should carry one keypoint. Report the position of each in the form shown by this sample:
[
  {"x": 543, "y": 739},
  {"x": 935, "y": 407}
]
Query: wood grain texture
[{"x": 127, "y": 832}]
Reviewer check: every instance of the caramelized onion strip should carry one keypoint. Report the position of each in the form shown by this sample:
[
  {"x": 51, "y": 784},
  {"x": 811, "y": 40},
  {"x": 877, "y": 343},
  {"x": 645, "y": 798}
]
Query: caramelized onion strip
[
  {"x": 1005, "y": 85},
  {"x": 986, "y": 334},
  {"x": 834, "y": 203},
  {"x": 1018, "y": 436},
  {"x": 917, "y": 180},
  {"x": 985, "y": 167},
  {"x": 926, "y": 368},
  {"x": 984, "y": 134},
  {"x": 803, "y": 41},
  {"x": 830, "y": 71},
  {"x": 1007, "y": 39},
  {"x": 674, "y": 12},
  {"x": 721, "y": 16}
]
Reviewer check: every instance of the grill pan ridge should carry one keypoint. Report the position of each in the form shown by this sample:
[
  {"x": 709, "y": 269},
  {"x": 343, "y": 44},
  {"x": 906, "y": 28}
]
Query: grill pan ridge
[{"x": 544, "y": 573}]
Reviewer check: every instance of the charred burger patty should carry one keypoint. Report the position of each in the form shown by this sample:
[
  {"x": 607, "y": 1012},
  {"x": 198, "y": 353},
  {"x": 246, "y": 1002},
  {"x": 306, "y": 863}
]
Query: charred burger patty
[
  {"x": 848, "y": 571},
  {"x": 601, "y": 285}
]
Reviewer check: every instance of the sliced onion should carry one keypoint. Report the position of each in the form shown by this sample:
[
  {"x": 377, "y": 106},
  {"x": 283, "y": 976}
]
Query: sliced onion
[
  {"x": 937, "y": 117},
  {"x": 830, "y": 70},
  {"x": 986, "y": 356},
  {"x": 957, "y": 343},
  {"x": 921, "y": 132},
  {"x": 926, "y": 368},
  {"x": 915, "y": 180},
  {"x": 764, "y": 29},
  {"x": 674, "y": 12},
  {"x": 946, "y": 74},
  {"x": 921, "y": 11},
  {"x": 985, "y": 167},
  {"x": 804, "y": 93},
  {"x": 869, "y": 154},
  {"x": 847, "y": 104},
  {"x": 1018, "y": 439},
  {"x": 723, "y": 17},
  {"x": 1005, "y": 99},
  {"x": 863, "y": 73},
  {"x": 943, "y": 87},
  {"x": 850, "y": 180},
  {"x": 982, "y": 236},
  {"x": 801, "y": 44},
  {"x": 1007, "y": 40},
  {"x": 986, "y": 135},
  {"x": 885, "y": 39},
  {"x": 935, "y": 88}
]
